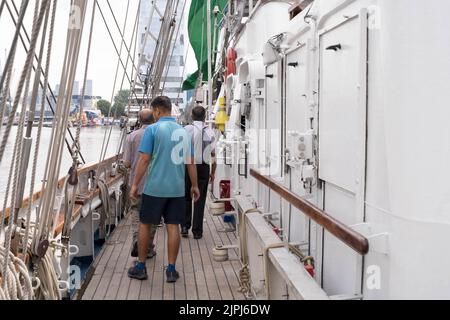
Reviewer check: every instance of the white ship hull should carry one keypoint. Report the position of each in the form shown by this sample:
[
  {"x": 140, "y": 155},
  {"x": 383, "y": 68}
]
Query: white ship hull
[{"x": 365, "y": 84}]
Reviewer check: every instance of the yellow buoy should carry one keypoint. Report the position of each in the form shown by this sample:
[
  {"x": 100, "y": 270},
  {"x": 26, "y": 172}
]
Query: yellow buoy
[{"x": 222, "y": 117}]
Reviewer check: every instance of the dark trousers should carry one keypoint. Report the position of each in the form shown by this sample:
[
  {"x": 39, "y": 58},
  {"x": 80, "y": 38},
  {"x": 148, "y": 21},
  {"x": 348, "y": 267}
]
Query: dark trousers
[{"x": 196, "y": 222}]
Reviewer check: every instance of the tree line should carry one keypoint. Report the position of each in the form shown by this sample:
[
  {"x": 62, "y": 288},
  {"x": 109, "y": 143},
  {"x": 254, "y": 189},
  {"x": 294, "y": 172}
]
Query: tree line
[{"x": 118, "y": 109}]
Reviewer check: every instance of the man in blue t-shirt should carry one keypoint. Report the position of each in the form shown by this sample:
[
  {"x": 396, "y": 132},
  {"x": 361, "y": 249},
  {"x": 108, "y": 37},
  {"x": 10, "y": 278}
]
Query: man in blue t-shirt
[{"x": 166, "y": 151}]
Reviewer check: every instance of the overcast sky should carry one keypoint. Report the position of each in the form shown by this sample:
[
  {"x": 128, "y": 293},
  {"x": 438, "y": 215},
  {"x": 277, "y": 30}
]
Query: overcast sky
[{"x": 103, "y": 57}]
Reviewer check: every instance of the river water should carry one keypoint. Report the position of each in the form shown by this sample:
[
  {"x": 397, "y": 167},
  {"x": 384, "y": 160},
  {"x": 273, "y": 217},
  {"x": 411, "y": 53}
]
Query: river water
[{"x": 91, "y": 145}]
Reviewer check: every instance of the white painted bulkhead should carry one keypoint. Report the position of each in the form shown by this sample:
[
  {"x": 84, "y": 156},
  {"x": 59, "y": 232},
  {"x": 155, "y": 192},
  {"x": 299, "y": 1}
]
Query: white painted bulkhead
[{"x": 378, "y": 109}]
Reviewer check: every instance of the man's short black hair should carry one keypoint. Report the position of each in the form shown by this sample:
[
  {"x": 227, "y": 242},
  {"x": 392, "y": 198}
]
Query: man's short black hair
[
  {"x": 199, "y": 114},
  {"x": 163, "y": 103}
]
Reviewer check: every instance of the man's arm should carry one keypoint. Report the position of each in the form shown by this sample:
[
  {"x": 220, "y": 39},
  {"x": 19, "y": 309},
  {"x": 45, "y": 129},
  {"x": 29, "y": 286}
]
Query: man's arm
[
  {"x": 213, "y": 168},
  {"x": 213, "y": 158},
  {"x": 141, "y": 170},
  {"x": 192, "y": 171},
  {"x": 127, "y": 154}
]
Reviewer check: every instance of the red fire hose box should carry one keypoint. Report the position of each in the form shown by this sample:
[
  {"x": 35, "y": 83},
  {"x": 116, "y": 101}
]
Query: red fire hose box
[{"x": 225, "y": 193}]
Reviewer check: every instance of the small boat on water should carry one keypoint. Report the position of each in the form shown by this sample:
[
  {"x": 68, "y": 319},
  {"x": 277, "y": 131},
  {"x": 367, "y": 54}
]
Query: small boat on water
[{"x": 332, "y": 155}]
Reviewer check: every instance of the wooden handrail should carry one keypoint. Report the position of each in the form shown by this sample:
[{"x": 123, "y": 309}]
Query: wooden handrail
[
  {"x": 81, "y": 171},
  {"x": 350, "y": 237}
]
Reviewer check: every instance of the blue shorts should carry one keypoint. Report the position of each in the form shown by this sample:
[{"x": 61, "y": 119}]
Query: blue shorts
[{"x": 171, "y": 209}]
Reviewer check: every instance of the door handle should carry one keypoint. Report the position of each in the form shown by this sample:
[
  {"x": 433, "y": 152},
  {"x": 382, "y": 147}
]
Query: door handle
[{"x": 335, "y": 47}]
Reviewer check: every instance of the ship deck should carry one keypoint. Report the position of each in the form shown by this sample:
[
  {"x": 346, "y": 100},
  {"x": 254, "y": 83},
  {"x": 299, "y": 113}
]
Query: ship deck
[{"x": 202, "y": 278}]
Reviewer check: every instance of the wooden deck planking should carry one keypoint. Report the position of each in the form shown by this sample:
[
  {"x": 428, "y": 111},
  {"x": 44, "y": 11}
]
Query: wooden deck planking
[
  {"x": 158, "y": 274},
  {"x": 227, "y": 267},
  {"x": 229, "y": 238},
  {"x": 188, "y": 271},
  {"x": 212, "y": 240},
  {"x": 201, "y": 277},
  {"x": 117, "y": 243},
  {"x": 97, "y": 288},
  {"x": 180, "y": 286}
]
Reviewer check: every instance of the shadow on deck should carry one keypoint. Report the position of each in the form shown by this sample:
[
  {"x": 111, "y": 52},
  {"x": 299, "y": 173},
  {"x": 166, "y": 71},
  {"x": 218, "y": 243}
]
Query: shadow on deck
[{"x": 201, "y": 277}]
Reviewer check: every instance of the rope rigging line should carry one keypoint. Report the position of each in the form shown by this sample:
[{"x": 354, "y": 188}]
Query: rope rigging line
[
  {"x": 142, "y": 51},
  {"x": 41, "y": 118},
  {"x": 105, "y": 139},
  {"x": 76, "y": 145},
  {"x": 160, "y": 55},
  {"x": 2, "y": 5},
  {"x": 114, "y": 43},
  {"x": 24, "y": 80},
  {"x": 7, "y": 73},
  {"x": 122, "y": 34},
  {"x": 134, "y": 37},
  {"x": 71, "y": 185},
  {"x": 133, "y": 86},
  {"x": 50, "y": 185},
  {"x": 12, "y": 53},
  {"x": 47, "y": 98},
  {"x": 173, "y": 49},
  {"x": 27, "y": 141}
]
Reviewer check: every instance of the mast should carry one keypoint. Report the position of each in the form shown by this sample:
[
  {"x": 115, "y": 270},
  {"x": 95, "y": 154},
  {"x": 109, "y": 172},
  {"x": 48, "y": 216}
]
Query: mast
[{"x": 209, "y": 36}]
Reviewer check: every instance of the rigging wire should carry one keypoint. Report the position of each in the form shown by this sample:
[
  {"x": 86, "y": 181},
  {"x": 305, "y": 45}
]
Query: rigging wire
[
  {"x": 28, "y": 138},
  {"x": 47, "y": 88},
  {"x": 164, "y": 41},
  {"x": 25, "y": 77},
  {"x": 41, "y": 118},
  {"x": 2, "y": 5},
  {"x": 113, "y": 42},
  {"x": 105, "y": 139},
  {"x": 122, "y": 34},
  {"x": 7, "y": 73},
  {"x": 173, "y": 49},
  {"x": 133, "y": 86},
  {"x": 53, "y": 167}
]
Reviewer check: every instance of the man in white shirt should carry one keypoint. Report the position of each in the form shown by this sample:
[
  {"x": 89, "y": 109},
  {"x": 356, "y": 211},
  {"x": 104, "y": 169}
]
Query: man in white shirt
[{"x": 204, "y": 142}]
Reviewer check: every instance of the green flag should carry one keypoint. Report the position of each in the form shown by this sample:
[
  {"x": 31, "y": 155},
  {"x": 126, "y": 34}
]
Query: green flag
[{"x": 198, "y": 36}]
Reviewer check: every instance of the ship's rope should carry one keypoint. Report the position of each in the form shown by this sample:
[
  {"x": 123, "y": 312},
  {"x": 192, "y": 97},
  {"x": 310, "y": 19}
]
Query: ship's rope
[
  {"x": 48, "y": 88},
  {"x": 135, "y": 75},
  {"x": 174, "y": 46},
  {"x": 24, "y": 81},
  {"x": 50, "y": 185},
  {"x": 2, "y": 5},
  {"x": 161, "y": 52},
  {"x": 16, "y": 281},
  {"x": 48, "y": 279},
  {"x": 76, "y": 147},
  {"x": 25, "y": 72},
  {"x": 122, "y": 33},
  {"x": 123, "y": 133},
  {"x": 41, "y": 118},
  {"x": 107, "y": 136},
  {"x": 7, "y": 73},
  {"x": 114, "y": 44},
  {"x": 30, "y": 124}
]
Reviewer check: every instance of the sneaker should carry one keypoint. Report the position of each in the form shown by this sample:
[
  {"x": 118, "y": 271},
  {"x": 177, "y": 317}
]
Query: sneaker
[
  {"x": 138, "y": 274},
  {"x": 184, "y": 232},
  {"x": 172, "y": 276},
  {"x": 198, "y": 236}
]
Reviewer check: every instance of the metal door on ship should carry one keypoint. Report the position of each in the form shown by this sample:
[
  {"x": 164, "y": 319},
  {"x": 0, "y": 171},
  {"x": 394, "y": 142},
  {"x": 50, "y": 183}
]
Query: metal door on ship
[
  {"x": 342, "y": 145},
  {"x": 274, "y": 131},
  {"x": 296, "y": 120}
]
